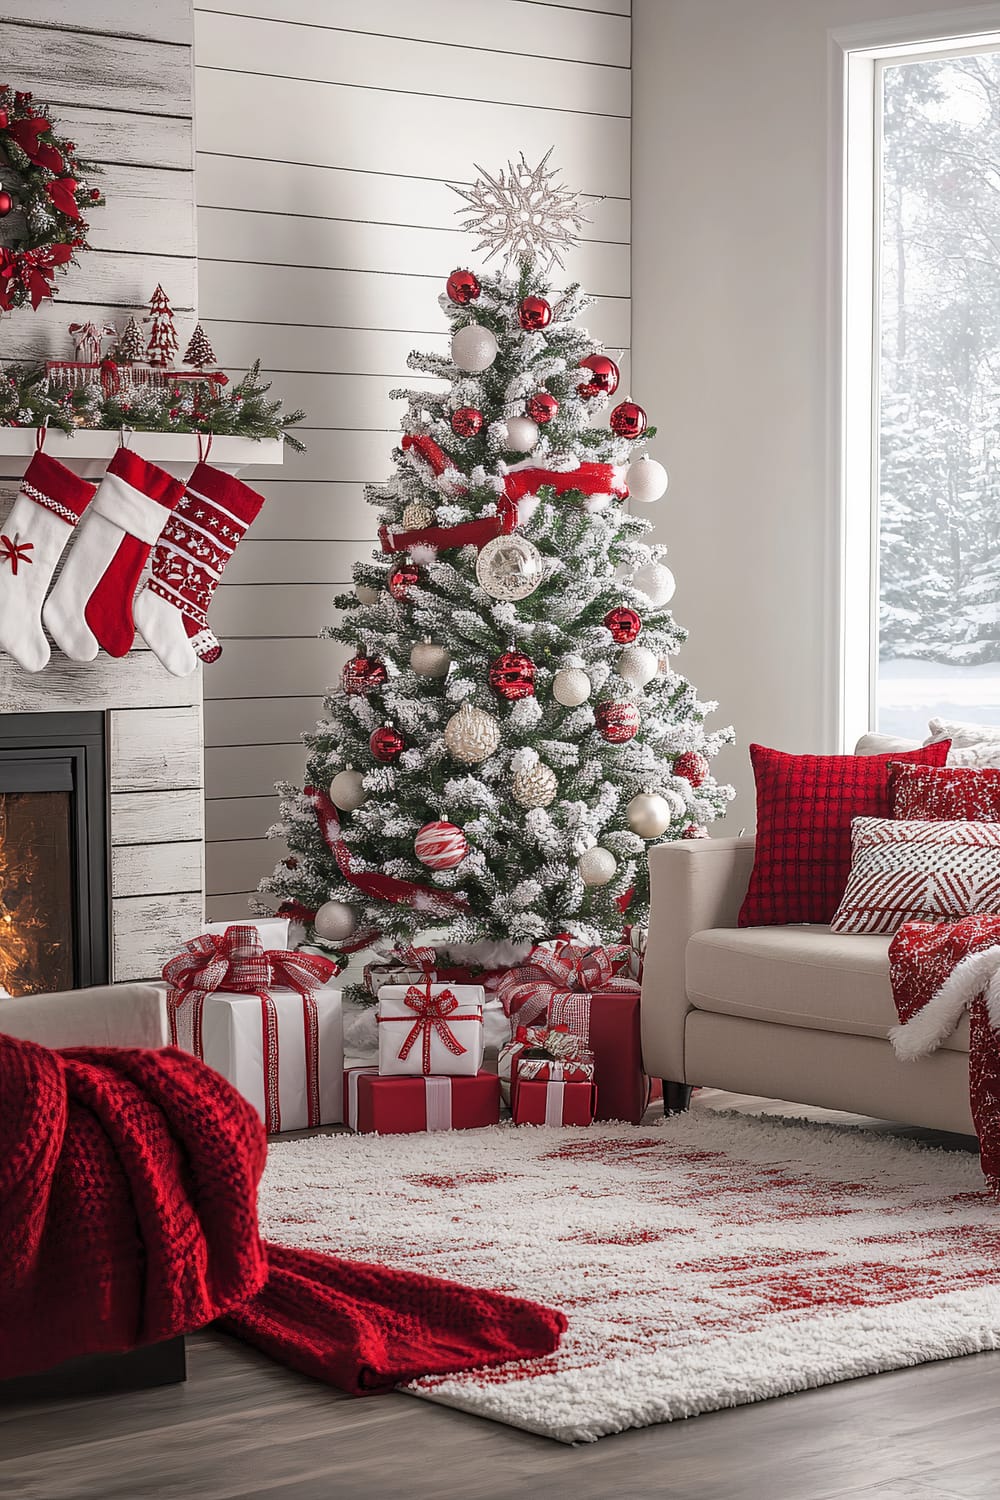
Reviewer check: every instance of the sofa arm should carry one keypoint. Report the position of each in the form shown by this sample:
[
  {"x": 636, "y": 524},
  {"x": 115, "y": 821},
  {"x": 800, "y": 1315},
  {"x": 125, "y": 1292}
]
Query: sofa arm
[
  {"x": 694, "y": 885},
  {"x": 112, "y": 1015}
]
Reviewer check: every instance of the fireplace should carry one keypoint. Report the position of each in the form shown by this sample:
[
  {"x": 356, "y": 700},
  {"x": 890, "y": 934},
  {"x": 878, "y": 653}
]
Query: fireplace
[{"x": 53, "y": 852}]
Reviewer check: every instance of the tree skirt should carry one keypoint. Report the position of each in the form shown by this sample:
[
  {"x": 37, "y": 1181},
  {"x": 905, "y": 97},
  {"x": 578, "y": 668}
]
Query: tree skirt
[{"x": 705, "y": 1262}]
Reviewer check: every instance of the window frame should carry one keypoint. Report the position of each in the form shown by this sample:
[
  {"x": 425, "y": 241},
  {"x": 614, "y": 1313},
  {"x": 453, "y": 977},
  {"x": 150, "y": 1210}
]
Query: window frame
[{"x": 858, "y": 58}]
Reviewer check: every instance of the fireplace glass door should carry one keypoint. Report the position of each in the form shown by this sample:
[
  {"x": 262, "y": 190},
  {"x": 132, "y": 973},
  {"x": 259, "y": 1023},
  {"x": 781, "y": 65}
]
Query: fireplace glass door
[{"x": 53, "y": 853}]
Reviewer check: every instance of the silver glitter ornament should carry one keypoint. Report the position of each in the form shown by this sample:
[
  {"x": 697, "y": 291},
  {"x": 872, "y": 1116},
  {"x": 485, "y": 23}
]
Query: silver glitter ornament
[
  {"x": 472, "y": 735},
  {"x": 509, "y": 567}
]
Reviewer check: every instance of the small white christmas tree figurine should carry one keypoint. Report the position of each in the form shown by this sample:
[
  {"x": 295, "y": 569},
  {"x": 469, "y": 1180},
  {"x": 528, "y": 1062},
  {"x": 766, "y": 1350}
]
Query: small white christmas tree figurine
[
  {"x": 199, "y": 351},
  {"x": 130, "y": 346},
  {"x": 509, "y": 737},
  {"x": 162, "y": 344}
]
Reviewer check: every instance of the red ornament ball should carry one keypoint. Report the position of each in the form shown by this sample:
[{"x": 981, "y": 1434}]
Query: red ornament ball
[
  {"x": 617, "y": 722},
  {"x": 386, "y": 743},
  {"x": 4, "y": 119},
  {"x": 534, "y": 313},
  {"x": 95, "y": 193},
  {"x": 692, "y": 766},
  {"x": 624, "y": 624},
  {"x": 440, "y": 846},
  {"x": 466, "y": 421},
  {"x": 463, "y": 287},
  {"x": 628, "y": 420},
  {"x": 512, "y": 676},
  {"x": 603, "y": 377},
  {"x": 363, "y": 674},
  {"x": 6, "y": 204},
  {"x": 542, "y": 407},
  {"x": 402, "y": 581}
]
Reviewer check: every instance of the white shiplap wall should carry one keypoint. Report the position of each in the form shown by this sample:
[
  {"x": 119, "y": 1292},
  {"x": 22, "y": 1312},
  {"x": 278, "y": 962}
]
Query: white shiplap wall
[
  {"x": 118, "y": 75},
  {"x": 326, "y": 132}
]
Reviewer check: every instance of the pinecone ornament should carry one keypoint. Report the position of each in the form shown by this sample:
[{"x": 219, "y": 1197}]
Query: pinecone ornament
[{"x": 536, "y": 787}]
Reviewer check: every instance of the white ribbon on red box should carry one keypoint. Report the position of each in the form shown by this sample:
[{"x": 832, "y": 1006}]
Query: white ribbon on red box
[{"x": 437, "y": 1099}]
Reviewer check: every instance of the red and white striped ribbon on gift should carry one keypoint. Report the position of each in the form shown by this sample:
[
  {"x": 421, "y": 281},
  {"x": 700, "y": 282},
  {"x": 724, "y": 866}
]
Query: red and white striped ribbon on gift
[{"x": 558, "y": 983}]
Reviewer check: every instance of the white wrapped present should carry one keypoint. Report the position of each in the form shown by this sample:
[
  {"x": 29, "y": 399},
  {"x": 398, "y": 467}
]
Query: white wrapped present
[{"x": 430, "y": 1028}]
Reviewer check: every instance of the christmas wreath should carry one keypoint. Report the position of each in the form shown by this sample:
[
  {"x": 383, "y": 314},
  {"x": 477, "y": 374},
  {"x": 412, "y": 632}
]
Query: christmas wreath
[{"x": 50, "y": 192}]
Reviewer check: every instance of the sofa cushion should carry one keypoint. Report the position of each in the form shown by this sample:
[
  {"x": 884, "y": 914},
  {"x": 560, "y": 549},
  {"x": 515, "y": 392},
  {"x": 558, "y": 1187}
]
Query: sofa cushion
[
  {"x": 805, "y": 804},
  {"x": 798, "y": 976}
]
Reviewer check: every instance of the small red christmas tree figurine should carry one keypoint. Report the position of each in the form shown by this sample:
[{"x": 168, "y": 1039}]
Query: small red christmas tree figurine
[
  {"x": 162, "y": 345},
  {"x": 199, "y": 351}
]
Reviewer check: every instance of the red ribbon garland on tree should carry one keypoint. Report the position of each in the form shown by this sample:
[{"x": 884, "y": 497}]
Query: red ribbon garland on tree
[{"x": 382, "y": 887}]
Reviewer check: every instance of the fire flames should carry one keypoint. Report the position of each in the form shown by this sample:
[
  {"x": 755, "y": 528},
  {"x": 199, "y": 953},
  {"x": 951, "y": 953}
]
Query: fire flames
[{"x": 36, "y": 941}]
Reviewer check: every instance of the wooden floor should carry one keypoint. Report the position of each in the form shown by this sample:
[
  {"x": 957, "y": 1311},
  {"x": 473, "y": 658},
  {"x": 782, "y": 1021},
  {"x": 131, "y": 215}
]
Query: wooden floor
[{"x": 242, "y": 1426}]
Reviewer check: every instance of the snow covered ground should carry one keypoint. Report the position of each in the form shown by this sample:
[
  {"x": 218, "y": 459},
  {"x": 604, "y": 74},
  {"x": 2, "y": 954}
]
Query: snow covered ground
[{"x": 911, "y": 692}]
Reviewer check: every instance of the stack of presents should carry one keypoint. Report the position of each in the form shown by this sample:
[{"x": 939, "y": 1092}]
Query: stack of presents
[{"x": 269, "y": 1018}]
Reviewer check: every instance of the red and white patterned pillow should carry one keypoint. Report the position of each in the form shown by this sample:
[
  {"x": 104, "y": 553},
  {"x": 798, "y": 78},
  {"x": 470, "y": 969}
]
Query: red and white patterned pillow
[
  {"x": 918, "y": 871},
  {"x": 946, "y": 793}
]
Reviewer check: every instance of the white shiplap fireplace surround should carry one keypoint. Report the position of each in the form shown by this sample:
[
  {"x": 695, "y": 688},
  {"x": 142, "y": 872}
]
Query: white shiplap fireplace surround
[{"x": 153, "y": 726}]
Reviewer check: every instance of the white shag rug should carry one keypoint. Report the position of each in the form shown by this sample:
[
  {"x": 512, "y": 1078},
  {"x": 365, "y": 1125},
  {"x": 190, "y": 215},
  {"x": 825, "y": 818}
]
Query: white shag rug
[{"x": 705, "y": 1262}]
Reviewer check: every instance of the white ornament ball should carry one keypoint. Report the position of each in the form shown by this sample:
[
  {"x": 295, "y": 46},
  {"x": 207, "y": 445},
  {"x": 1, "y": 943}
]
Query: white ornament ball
[
  {"x": 656, "y": 582},
  {"x": 649, "y": 815},
  {"x": 417, "y": 516},
  {"x": 509, "y": 567},
  {"x": 472, "y": 735},
  {"x": 638, "y": 665},
  {"x": 473, "y": 348},
  {"x": 535, "y": 787},
  {"x": 347, "y": 790},
  {"x": 646, "y": 479},
  {"x": 335, "y": 921},
  {"x": 597, "y": 866},
  {"x": 571, "y": 686},
  {"x": 429, "y": 660},
  {"x": 440, "y": 846},
  {"x": 522, "y": 434},
  {"x": 366, "y": 594}
]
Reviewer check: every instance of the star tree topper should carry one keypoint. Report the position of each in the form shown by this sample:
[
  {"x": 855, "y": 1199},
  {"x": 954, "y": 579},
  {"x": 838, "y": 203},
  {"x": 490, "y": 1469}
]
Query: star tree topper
[{"x": 524, "y": 213}]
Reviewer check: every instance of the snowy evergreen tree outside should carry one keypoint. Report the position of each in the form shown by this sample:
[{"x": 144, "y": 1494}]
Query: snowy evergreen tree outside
[
  {"x": 939, "y": 430},
  {"x": 510, "y": 736}
]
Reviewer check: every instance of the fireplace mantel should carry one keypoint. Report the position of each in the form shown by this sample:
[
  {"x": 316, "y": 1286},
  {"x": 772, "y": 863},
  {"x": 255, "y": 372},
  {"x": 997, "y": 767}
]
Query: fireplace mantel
[
  {"x": 155, "y": 757},
  {"x": 88, "y": 450}
]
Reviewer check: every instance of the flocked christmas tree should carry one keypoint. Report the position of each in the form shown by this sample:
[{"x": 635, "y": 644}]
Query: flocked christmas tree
[
  {"x": 130, "y": 347},
  {"x": 509, "y": 737},
  {"x": 199, "y": 351},
  {"x": 162, "y": 345}
]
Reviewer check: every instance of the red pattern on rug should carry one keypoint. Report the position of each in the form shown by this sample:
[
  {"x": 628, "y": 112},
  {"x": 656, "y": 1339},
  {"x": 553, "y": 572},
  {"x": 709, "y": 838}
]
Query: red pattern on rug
[
  {"x": 128, "y": 1214},
  {"x": 922, "y": 957}
]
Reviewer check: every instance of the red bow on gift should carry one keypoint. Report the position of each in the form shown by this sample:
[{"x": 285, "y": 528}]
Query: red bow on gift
[
  {"x": 546, "y": 972},
  {"x": 237, "y": 961},
  {"x": 433, "y": 1013},
  {"x": 557, "y": 1042}
]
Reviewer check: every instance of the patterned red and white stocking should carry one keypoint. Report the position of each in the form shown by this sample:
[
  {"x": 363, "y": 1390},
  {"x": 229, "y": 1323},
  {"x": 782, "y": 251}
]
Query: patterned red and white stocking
[
  {"x": 190, "y": 557},
  {"x": 91, "y": 604},
  {"x": 50, "y": 502}
]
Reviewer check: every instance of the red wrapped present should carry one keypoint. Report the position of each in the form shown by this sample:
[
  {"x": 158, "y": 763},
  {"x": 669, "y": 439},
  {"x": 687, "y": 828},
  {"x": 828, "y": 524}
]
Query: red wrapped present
[
  {"x": 543, "y": 1053},
  {"x": 553, "y": 1102},
  {"x": 581, "y": 989},
  {"x": 269, "y": 1020},
  {"x": 377, "y": 1104}
]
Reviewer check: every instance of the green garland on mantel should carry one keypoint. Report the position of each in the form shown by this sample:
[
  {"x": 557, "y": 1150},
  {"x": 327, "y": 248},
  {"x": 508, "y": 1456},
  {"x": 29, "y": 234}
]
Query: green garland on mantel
[{"x": 241, "y": 410}]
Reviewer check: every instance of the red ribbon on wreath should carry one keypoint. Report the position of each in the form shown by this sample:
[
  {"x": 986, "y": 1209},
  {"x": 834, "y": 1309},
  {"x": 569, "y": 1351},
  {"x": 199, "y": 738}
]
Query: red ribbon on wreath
[
  {"x": 33, "y": 269},
  {"x": 423, "y": 898}
]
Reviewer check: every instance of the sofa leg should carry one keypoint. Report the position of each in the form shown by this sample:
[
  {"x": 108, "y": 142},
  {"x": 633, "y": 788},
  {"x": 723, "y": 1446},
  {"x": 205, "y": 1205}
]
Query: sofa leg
[{"x": 676, "y": 1097}]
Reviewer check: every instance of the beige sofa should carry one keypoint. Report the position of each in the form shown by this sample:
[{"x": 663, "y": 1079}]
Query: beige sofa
[{"x": 797, "y": 1013}]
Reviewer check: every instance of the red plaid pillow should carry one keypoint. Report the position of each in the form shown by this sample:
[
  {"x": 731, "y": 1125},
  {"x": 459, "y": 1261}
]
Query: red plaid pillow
[
  {"x": 946, "y": 794},
  {"x": 805, "y": 804}
]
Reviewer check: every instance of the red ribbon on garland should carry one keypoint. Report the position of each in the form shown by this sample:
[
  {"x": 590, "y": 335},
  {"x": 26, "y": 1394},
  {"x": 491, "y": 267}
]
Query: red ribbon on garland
[
  {"x": 423, "y": 898},
  {"x": 34, "y": 269},
  {"x": 467, "y": 534}
]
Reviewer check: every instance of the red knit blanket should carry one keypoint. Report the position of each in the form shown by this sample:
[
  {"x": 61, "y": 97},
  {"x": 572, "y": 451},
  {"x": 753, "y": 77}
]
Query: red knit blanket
[
  {"x": 128, "y": 1191},
  {"x": 939, "y": 971}
]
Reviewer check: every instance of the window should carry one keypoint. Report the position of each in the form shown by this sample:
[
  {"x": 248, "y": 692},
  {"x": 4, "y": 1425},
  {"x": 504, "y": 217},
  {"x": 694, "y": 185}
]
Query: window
[{"x": 921, "y": 606}]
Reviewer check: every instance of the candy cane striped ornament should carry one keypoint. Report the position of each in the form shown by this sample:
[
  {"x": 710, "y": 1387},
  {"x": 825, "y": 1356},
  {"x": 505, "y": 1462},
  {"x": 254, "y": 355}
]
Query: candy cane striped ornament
[{"x": 440, "y": 846}]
